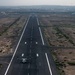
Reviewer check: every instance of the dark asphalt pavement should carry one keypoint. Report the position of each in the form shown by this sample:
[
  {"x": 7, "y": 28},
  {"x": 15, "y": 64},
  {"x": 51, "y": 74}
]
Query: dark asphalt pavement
[{"x": 31, "y": 44}]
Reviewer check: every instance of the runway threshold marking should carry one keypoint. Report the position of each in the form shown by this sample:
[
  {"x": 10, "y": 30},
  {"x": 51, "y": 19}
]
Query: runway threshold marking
[
  {"x": 48, "y": 64},
  {"x": 16, "y": 48}
]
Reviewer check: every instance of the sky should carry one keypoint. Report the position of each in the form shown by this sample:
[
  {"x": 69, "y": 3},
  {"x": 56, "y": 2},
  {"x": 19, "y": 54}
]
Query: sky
[{"x": 36, "y": 2}]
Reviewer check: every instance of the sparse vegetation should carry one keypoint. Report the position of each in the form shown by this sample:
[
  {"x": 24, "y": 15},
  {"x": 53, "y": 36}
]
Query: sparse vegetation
[
  {"x": 9, "y": 33},
  {"x": 71, "y": 63},
  {"x": 59, "y": 32},
  {"x": 0, "y": 66},
  {"x": 59, "y": 64}
]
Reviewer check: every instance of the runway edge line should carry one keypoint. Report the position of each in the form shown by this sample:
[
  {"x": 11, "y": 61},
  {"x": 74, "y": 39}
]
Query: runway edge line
[
  {"x": 16, "y": 48},
  {"x": 40, "y": 32},
  {"x": 45, "y": 53},
  {"x": 48, "y": 64}
]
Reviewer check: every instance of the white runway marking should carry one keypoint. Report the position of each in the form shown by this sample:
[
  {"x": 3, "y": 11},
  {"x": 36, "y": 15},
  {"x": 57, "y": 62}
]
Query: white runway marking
[
  {"x": 41, "y": 36},
  {"x": 36, "y": 42},
  {"x": 40, "y": 33},
  {"x": 22, "y": 54},
  {"x": 25, "y": 42},
  {"x": 37, "y": 21},
  {"x": 48, "y": 64},
  {"x": 16, "y": 48},
  {"x": 37, "y": 55}
]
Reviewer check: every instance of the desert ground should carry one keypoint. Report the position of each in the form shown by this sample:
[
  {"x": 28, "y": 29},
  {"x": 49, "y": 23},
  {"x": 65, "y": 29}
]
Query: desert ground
[
  {"x": 10, "y": 29},
  {"x": 59, "y": 32}
]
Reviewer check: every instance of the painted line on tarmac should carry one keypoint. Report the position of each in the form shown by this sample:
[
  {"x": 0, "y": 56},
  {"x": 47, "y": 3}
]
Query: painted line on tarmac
[
  {"x": 38, "y": 21},
  {"x": 41, "y": 36},
  {"x": 48, "y": 64},
  {"x": 40, "y": 33}
]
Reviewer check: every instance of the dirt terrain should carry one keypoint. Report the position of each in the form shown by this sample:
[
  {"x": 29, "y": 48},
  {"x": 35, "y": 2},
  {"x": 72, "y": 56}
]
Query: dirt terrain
[
  {"x": 59, "y": 31},
  {"x": 10, "y": 30},
  {"x": 65, "y": 60}
]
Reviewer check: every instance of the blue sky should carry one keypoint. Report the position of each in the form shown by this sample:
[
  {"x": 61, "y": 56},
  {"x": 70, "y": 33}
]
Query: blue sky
[{"x": 36, "y": 2}]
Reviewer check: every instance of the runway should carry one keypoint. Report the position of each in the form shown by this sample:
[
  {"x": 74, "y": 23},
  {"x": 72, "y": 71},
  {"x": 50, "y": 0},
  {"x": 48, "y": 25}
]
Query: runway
[{"x": 31, "y": 43}]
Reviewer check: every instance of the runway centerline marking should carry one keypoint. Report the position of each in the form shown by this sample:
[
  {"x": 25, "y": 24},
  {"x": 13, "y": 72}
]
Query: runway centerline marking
[
  {"x": 16, "y": 48},
  {"x": 48, "y": 64}
]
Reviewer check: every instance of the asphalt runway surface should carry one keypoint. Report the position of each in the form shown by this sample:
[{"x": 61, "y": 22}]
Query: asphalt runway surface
[{"x": 31, "y": 44}]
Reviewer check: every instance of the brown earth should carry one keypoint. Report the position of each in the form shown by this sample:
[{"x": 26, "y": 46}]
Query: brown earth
[
  {"x": 66, "y": 56},
  {"x": 9, "y": 37},
  {"x": 59, "y": 30}
]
